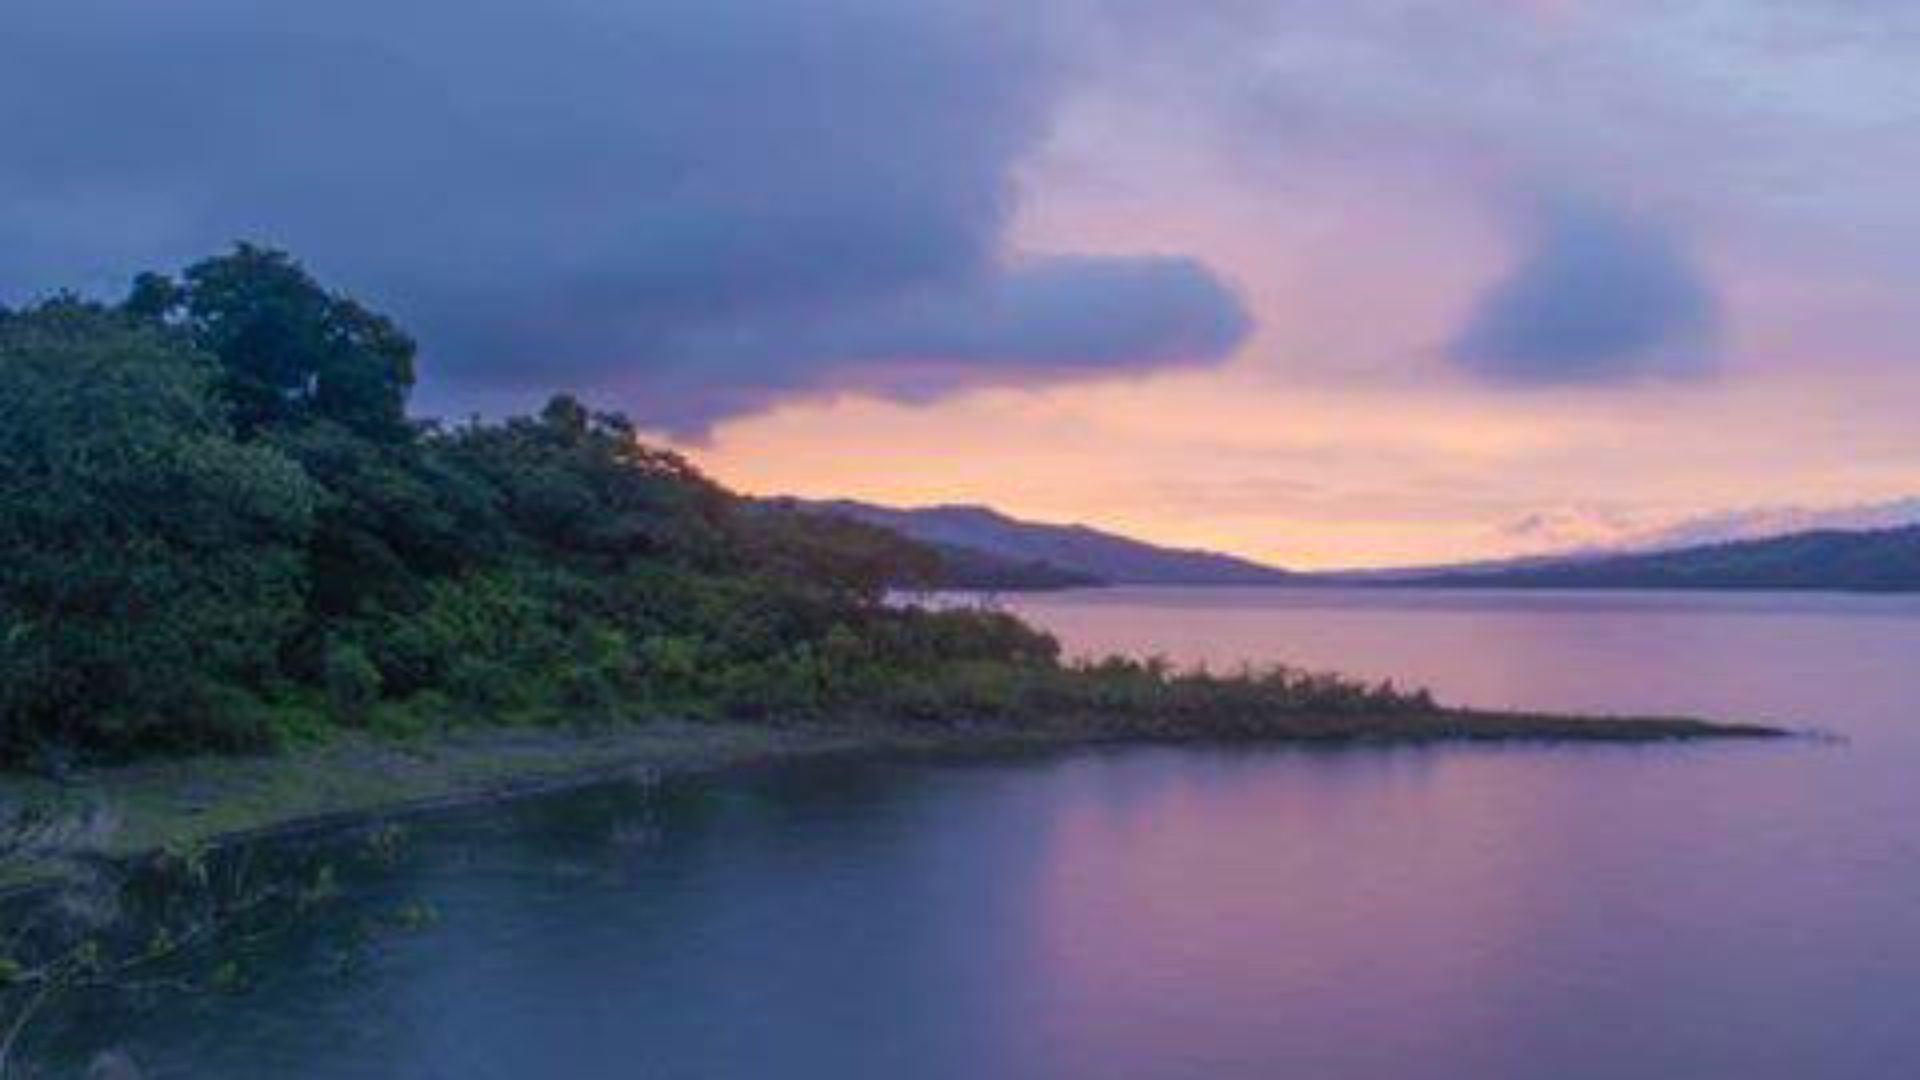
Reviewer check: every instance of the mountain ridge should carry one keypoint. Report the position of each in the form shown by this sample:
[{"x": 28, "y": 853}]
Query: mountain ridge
[
  {"x": 1841, "y": 560},
  {"x": 1093, "y": 555},
  {"x": 1763, "y": 523},
  {"x": 987, "y": 549}
]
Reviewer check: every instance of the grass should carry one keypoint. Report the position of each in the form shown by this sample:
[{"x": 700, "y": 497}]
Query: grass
[{"x": 166, "y": 804}]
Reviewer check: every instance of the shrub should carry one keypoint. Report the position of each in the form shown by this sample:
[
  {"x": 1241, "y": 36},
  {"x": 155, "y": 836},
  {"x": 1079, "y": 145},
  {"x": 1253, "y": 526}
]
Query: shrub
[{"x": 351, "y": 681}]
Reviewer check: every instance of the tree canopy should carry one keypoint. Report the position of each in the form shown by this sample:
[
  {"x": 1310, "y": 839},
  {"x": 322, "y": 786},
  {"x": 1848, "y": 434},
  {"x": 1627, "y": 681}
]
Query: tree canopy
[
  {"x": 219, "y": 528},
  {"x": 289, "y": 351},
  {"x": 148, "y": 560}
]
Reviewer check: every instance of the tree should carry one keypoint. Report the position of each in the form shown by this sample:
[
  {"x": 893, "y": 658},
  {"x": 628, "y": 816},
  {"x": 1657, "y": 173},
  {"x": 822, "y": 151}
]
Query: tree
[
  {"x": 325, "y": 382},
  {"x": 289, "y": 351},
  {"x": 849, "y": 558},
  {"x": 392, "y": 515},
  {"x": 583, "y": 488},
  {"x": 150, "y": 565}
]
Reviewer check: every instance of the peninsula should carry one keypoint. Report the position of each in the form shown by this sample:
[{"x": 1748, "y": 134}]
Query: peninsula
[{"x": 240, "y": 586}]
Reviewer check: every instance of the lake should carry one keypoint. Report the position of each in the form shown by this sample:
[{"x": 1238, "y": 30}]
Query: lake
[{"x": 1741, "y": 910}]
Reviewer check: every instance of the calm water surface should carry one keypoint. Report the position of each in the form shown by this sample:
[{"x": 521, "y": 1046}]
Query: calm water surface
[{"x": 1741, "y": 910}]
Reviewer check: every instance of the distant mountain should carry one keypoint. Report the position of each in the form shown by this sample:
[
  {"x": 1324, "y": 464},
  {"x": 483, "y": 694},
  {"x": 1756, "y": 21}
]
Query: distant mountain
[
  {"x": 1762, "y": 523},
  {"x": 979, "y": 571},
  {"x": 987, "y": 539},
  {"x": 1706, "y": 530},
  {"x": 1876, "y": 560},
  {"x": 1423, "y": 572}
]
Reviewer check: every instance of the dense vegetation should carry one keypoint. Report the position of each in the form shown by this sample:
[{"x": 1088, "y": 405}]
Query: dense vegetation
[
  {"x": 220, "y": 529},
  {"x": 1877, "y": 560},
  {"x": 961, "y": 567},
  {"x": 971, "y": 569}
]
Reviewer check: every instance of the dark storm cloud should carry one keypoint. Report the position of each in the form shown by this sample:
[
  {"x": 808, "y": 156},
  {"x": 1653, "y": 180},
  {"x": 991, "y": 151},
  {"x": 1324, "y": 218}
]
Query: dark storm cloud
[
  {"x": 1043, "y": 320},
  {"x": 729, "y": 200},
  {"x": 1598, "y": 296}
]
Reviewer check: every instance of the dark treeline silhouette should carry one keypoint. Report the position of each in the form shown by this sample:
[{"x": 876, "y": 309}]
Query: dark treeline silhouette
[
  {"x": 1873, "y": 560},
  {"x": 221, "y": 529}
]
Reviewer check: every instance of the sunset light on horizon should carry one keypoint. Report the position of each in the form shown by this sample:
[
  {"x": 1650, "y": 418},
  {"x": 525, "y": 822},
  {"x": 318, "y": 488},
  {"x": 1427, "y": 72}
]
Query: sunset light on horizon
[
  {"x": 1363, "y": 235},
  {"x": 1324, "y": 285}
]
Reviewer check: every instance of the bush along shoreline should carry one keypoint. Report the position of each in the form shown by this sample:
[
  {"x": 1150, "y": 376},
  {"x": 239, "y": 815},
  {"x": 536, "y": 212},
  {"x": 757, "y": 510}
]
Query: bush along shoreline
[{"x": 223, "y": 532}]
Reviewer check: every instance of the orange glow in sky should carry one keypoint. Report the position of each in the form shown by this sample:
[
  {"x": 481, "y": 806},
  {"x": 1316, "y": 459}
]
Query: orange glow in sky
[{"x": 1339, "y": 436}]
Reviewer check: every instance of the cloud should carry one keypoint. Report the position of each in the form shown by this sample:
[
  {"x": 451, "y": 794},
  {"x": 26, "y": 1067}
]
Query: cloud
[
  {"x": 1035, "y": 320},
  {"x": 1599, "y": 295},
  {"x": 731, "y": 201}
]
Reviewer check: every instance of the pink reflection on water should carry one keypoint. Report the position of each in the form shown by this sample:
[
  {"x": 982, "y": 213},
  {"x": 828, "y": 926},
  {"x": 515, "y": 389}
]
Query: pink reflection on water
[
  {"x": 1332, "y": 914},
  {"x": 1596, "y": 652},
  {"x": 1339, "y": 914}
]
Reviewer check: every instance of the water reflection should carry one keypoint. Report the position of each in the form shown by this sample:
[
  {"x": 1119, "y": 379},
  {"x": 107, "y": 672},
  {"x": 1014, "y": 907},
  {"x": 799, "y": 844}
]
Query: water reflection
[
  {"x": 1836, "y": 662},
  {"x": 1438, "y": 913}
]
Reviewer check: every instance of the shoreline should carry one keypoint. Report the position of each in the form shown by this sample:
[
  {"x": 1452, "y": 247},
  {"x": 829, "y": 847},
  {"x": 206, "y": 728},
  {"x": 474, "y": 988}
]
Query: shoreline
[{"x": 358, "y": 778}]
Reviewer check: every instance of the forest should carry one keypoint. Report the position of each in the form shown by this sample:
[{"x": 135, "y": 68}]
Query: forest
[{"x": 221, "y": 529}]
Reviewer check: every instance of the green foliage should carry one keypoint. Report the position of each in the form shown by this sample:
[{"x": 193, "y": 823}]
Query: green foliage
[
  {"x": 838, "y": 553},
  {"x": 221, "y": 531},
  {"x": 295, "y": 720},
  {"x": 146, "y": 557},
  {"x": 393, "y": 515},
  {"x": 351, "y": 681},
  {"x": 580, "y": 488},
  {"x": 289, "y": 350}
]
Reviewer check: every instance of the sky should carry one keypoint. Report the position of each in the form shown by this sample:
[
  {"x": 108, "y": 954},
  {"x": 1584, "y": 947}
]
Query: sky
[{"x": 1367, "y": 283}]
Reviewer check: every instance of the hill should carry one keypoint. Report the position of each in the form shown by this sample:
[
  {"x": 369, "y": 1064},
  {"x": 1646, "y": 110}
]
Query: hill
[
  {"x": 1877, "y": 560},
  {"x": 979, "y": 571},
  {"x": 979, "y": 536},
  {"x": 1765, "y": 523},
  {"x": 225, "y": 532}
]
